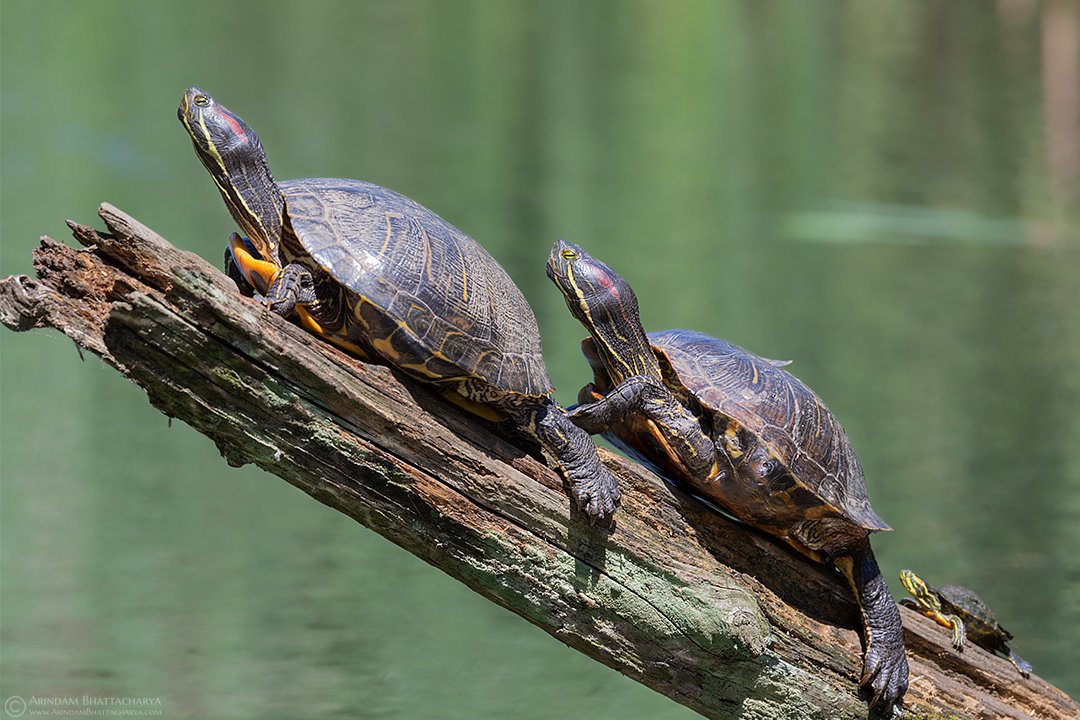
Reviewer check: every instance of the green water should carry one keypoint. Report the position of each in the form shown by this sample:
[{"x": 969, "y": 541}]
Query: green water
[{"x": 881, "y": 191}]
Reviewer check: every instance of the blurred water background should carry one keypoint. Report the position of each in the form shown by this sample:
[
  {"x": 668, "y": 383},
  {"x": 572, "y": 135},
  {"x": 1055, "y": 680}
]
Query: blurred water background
[{"x": 884, "y": 191}]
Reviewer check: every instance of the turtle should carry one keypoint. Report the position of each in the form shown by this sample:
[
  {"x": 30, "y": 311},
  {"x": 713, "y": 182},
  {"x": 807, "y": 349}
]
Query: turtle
[
  {"x": 959, "y": 609},
  {"x": 743, "y": 434},
  {"x": 391, "y": 282}
]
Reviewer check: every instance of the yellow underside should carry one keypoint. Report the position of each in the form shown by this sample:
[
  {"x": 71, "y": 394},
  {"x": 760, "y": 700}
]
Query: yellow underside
[
  {"x": 485, "y": 411},
  {"x": 260, "y": 274}
]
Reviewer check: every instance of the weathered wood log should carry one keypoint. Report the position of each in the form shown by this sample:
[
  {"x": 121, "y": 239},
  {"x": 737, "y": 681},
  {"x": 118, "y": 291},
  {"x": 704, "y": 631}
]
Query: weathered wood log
[{"x": 711, "y": 613}]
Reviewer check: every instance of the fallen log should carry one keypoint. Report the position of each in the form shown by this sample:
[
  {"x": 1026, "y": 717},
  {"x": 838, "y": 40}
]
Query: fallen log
[{"x": 713, "y": 614}]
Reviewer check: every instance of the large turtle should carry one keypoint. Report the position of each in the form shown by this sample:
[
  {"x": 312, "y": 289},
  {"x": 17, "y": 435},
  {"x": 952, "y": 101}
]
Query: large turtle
[
  {"x": 387, "y": 279},
  {"x": 743, "y": 433},
  {"x": 965, "y": 613}
]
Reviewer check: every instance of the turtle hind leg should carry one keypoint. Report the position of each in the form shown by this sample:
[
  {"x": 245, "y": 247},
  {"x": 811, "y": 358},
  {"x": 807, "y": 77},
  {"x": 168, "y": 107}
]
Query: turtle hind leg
[
  {"x": 592, "y": 486},
  {"x": 885, "y": 666},
  {"x": 1021, "y": 664}
]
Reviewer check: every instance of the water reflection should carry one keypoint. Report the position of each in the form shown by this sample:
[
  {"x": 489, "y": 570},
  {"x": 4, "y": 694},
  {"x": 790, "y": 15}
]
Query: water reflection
[{"x": 883, "y": 192}]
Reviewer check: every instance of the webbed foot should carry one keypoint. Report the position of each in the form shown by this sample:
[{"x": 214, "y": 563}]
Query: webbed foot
[
  {"x": 294, "y": 285},
  {"x": 885, "y": 680},
  {"x": 597, "y": 497},
  {"x": 1021, "y": 664},
  {"x": 592, "y": 487}
]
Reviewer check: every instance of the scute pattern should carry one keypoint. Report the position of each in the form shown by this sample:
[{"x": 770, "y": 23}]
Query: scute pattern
[
  {"x": 791, "y": 421},
  {"x": 976, "y": 614},
  {"x": 445, "y": 298}
]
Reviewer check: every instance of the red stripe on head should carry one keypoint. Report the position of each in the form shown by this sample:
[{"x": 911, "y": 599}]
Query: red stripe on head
[
  {"x": 241, "y": 134},
  {"x": 605, "y": 282}
]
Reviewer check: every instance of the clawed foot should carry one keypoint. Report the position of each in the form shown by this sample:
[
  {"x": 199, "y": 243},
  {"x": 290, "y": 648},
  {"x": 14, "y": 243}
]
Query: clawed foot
[
  {"x": 959, "y": 634},
  {"x": 597, "y": 498},
  {"x": 294, "y": 285},
  {"x": 591, "y": 485},
  {"x": 1021, "y": 664},
  {"x": 885, "y": 680}
]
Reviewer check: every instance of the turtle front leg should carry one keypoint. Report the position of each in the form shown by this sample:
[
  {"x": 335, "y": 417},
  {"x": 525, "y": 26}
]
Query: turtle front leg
[
  {"x": 928, "y": 603},
  {"x": 959, "y": 633},
  {"x": 952, "y": 622},
  {"x": 592, "y": 487},
  {"x": 885, "y": 667},
  {"x": 628, "y": 397},
  {"x": 294, "y": 285},
  {"x": 687, "y": 444}
]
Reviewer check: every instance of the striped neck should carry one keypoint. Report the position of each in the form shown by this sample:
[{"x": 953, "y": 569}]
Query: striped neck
[
  {"x": 606, "y": 305},
  {"x": 233, "y": 155}
]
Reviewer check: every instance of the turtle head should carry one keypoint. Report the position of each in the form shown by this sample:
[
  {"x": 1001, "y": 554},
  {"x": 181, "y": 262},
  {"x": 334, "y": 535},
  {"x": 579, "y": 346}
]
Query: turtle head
[
  {"x": 233, "y": 155},
  {"x": 222, "y": 139},
  {"x": 918, "y": 588},
  {"x": 605, "y": 304},
  {"x": 589, "y": 286}
]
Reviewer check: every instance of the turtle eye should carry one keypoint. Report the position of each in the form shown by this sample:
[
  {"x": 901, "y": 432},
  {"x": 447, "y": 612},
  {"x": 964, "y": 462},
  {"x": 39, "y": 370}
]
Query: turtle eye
[
  {"x": 569, "y": 254},
  {"x": 202, "y": 100}
]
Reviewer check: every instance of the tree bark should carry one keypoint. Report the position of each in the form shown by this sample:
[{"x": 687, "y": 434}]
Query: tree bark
[{"x": 713, "y": 614}]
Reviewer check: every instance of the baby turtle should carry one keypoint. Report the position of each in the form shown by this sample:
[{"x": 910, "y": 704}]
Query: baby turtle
[{"x": 962, "y": 611}]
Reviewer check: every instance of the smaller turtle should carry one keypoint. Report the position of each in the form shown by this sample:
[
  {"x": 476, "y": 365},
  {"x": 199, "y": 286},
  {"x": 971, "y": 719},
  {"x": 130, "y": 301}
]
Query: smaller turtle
[
  {"x": 962, "y": 611},
  {"x": 743, "y": 433}
]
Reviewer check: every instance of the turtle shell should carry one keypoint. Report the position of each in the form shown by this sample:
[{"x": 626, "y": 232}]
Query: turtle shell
[
  {"x": 979, "y": 620},
  {"x": 428, "y": 297},
  {"x": 744, "y": 393}
]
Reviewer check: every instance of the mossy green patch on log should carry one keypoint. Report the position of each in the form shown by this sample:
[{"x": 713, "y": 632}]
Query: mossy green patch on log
[{"x": 708, "y": 612}]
